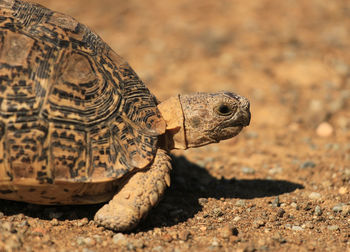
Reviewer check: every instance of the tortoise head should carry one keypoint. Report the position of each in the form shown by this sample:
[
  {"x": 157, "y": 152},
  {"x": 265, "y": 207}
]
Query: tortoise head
[{"x": 203, "y": 118}]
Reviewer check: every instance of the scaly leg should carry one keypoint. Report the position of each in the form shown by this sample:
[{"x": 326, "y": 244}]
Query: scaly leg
[{"x": 139, "y": 194}]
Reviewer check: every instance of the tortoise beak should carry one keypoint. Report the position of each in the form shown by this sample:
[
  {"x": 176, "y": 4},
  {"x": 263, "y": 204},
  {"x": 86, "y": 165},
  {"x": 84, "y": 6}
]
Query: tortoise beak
[
  {"x": 244, "y": 115},
  {"x": 245, "y": 118}
]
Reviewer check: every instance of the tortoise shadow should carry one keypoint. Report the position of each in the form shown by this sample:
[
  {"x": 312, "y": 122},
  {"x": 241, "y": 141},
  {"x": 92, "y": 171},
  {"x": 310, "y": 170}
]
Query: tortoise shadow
[{"x": 190, "y": 183}]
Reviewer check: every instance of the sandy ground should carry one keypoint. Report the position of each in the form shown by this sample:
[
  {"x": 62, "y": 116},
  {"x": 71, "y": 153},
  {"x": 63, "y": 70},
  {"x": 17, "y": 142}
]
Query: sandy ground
[{"x": 283, "y": 184}]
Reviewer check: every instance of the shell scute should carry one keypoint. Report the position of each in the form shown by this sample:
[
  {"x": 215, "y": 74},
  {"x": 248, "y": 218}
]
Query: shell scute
[
  {"x": 15, "y": 49},
  {"x": 68, "y": 153},
  {"x": 27, "y": 153}
]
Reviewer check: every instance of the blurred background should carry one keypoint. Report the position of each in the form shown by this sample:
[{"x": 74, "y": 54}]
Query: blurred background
[
  {"x": 284, "y": 182},
  {"x": 290, "y": 58}
]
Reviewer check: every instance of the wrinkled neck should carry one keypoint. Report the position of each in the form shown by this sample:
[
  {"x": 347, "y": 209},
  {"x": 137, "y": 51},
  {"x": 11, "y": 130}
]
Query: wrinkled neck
[{"x": 174, "y": 137}]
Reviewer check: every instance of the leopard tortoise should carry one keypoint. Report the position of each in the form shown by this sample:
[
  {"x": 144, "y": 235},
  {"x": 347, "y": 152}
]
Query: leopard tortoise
[{"x": 78, "y": 126}]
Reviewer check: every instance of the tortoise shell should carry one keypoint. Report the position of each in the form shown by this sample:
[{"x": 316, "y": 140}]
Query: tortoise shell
[{"x": 74, "y": 116}]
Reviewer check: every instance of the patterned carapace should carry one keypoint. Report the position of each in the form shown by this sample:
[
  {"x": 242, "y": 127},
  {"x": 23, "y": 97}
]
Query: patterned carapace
[{"x": 71, "y": 109}]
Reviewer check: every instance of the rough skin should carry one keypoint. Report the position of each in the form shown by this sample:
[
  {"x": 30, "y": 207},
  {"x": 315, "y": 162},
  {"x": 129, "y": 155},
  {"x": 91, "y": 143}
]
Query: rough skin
[{"x": 140, "y": 193}]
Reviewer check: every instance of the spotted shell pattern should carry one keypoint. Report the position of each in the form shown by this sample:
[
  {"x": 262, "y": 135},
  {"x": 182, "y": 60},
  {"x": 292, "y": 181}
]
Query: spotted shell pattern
[{"x": 74, "y": 116}]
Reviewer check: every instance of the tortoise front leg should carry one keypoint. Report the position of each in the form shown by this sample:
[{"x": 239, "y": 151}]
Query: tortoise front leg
[{"x": 140, "y": 193}]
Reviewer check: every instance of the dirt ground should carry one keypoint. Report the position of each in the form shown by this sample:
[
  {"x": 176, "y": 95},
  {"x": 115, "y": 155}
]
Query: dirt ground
[{"x": 283, "y": 184}]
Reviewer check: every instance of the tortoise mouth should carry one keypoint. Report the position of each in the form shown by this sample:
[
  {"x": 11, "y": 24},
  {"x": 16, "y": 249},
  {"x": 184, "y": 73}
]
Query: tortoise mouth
[
  {"x": 234, "y": 130},
  {"x": 228, "y": 132},
  {"x": 244, "y": 119}
]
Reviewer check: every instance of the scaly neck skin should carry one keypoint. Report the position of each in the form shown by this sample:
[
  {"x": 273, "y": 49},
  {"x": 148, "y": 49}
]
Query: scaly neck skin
[{"x": 174, "y": 137}]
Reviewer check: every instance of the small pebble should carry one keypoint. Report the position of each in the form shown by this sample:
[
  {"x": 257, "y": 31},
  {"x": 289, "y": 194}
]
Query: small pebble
[
  {"x": 227, "y": 231},
  {"x": 38, "y": 231},
  {"x": 333, "y": 227},
  {"x": 280, "y": 212},
  {"x": 202, "y": 201},
  {"x": 346, "y": 210},
  {"x": 294, "y": 205},
  {"x": 316, "y": 105},
  {"x": 343, "y": 190},
  {"x": 54, "y": 222},
  {"x": 20, "y": 216},
  {"x": 167, "y": 238},
  {"x": 259, "y": 223},
  {"x": 184, "y": 235},
  {"x": 80, "y": 240},
  {"x": 276, "y": 202},
  {"x": 276, "y": 170},
  {"x": 158, "y": 249},
  {"x": 138, "y": 244},
  {"x": 8, "y": 226},
  {"x": 297, "y": 228},
  {"x": 215, "y": 243},
  {"x": 324, "y": 129},
  {"x": 294, "y": 127},
  {"x": 309, "y": 225},
  {"x": 24, "y": 223},
  {"x": 308, "y": 164},
  {"x": 89, "y": 241},
  {"x": 130, "y": 246},
  {"x": 83, "y": 222},
  {"x": 97, "y": 238},
  {"x": 237, "y": 218},
  {"x": 338, "y": 208},
  {"x": 217, "y": 212},
  {"x": 318, "y": 211},
  {"x": 119, "y": 239},
  {"x": 240, "y": 203},
  {"x": 279, "y": 238},
  {"x": 247, "y": 170},
  {"x": 314, "y": 196}
]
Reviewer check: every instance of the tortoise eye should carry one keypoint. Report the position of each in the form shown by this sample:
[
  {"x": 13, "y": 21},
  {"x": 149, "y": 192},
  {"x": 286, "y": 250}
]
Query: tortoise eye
[{"x": 224, "y": 109}]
